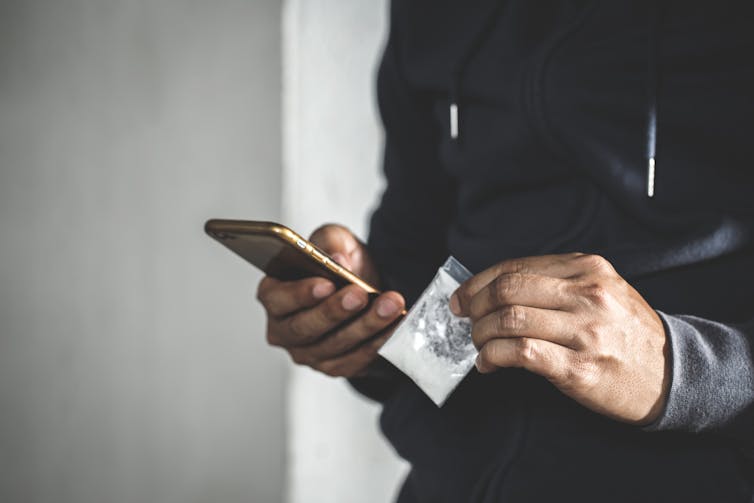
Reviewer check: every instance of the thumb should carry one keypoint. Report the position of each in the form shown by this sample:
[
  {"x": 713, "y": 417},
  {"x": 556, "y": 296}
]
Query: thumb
[
  {"x": 342, "y": 260},
  {"x": 346, "y": 249},
  {"x": 338, "y": 242}
]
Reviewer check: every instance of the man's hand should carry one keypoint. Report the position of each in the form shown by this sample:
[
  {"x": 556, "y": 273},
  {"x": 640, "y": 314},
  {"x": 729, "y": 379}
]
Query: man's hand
[
  {"x": 573, "y": 320},
  {"x": 329, "y": 330}
]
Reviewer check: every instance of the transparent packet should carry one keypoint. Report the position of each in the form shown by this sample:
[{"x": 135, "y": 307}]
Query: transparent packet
[{"x": 431, "y": 345}]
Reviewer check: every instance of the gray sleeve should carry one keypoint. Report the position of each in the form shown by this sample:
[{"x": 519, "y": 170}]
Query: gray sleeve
[{"x": 712, "y": 388}]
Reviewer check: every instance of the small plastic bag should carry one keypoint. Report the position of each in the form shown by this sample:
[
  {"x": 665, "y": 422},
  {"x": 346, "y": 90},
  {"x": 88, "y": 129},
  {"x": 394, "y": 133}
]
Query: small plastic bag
[{"x": 431, "y": 345}]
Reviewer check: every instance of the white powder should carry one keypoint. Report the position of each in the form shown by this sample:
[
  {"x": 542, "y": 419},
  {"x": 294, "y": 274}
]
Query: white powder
[{"x": 431, "y": 345}]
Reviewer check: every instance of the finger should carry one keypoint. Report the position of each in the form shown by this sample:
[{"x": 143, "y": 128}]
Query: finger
[
  {"x": 519, "y": 289},
  {"x": 283, "y": 298},
  {"x": 545, "y": 358},
  {"x": 309, "y": 325},
  {"x": 556, "y": 266},
  {"x": 338, "y": 242},
  {"x": 523, "y": 321},
  {"x": 383, "y": 312},
  {"x": 356, "y": 361}
]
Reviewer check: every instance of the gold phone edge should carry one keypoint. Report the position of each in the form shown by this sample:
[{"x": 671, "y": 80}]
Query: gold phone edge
[{"x": 321, "y": 256}]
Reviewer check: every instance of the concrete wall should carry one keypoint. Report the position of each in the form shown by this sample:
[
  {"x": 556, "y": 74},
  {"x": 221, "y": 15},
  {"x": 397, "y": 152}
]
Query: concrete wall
[
  {"x": 332, "y": 146},
  {"x": 132, "y": 365}
]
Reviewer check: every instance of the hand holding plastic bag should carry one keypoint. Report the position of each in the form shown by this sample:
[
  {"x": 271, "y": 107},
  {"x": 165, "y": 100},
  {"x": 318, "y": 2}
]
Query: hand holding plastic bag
[{"x": 431, "y": 345}]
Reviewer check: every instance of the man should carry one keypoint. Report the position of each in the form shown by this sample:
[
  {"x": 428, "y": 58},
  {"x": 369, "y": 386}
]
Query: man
[{"x": 519, "y": 134}]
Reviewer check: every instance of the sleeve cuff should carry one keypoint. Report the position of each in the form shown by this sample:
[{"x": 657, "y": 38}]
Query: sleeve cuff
[{"x": 711, "y": 375}]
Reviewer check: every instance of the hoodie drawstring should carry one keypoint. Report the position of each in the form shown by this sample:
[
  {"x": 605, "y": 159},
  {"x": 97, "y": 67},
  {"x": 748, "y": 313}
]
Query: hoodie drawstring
[
  {"x": 455, "y": 83},
  {"x": 462, "y": 62},
  {"x": 652, "y": 84}
]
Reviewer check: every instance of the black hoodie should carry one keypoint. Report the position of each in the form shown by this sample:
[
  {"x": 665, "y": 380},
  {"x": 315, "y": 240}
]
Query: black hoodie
[{"x": 529, "y": 127}]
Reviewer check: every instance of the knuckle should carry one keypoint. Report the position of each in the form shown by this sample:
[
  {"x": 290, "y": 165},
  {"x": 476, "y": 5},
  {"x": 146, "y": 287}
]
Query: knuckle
[
  {"x": 597, "y": 263},
  {"x": 510, "y": 318},
  {"x": 564, "y": 288},
  {"x": 527, "y": 351},
  {"x": 506, "y": 286},
  {"x": 489, "y": 354},
  {"x": 515, "y": 265},
  {"x": 593, "y": 260},
  {"x": 596, "y": 293},
  {"x": 262, "y": 292},
  {"x": 479, "y": 336},
  {"x": 265, "y": 291}
]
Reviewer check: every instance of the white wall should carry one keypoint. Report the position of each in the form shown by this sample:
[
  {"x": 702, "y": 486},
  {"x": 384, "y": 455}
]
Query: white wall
[
  {"x": 132, "y": 361},
  {"x": 332, "y": 148}
]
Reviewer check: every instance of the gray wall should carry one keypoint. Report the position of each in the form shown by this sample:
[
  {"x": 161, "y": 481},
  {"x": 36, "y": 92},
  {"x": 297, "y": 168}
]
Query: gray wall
[{"x": 132, "y": 363}]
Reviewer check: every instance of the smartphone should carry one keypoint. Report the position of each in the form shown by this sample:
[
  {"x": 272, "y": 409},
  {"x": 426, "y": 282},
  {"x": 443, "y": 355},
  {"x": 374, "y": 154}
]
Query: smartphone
[{"x": 281, "y": 253}]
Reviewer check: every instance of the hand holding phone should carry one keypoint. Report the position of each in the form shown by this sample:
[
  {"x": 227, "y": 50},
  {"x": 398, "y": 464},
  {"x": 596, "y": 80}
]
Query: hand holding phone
[
  {"x": 337, "y": 332},
  {"x": 326, "y": 323}
]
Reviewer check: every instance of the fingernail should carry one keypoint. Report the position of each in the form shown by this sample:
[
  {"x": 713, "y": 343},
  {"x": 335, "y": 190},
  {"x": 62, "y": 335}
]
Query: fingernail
[
  {"x": 351, "y": 301},
  {"x": 455, "y": 306},
  {"x": 387, "y": 308},
  {"x": 477, "y": 363},
  {"x": 322, "y": 290}
]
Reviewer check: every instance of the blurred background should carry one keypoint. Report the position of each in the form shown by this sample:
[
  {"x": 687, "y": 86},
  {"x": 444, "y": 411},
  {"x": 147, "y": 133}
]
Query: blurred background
[{"x": 133, "y": 366}]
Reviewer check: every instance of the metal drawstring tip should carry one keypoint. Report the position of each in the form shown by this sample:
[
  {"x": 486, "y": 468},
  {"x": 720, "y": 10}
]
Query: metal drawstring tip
[
  {"x": 454, "y": 121},
  {"x": 651, "y": 177}
]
